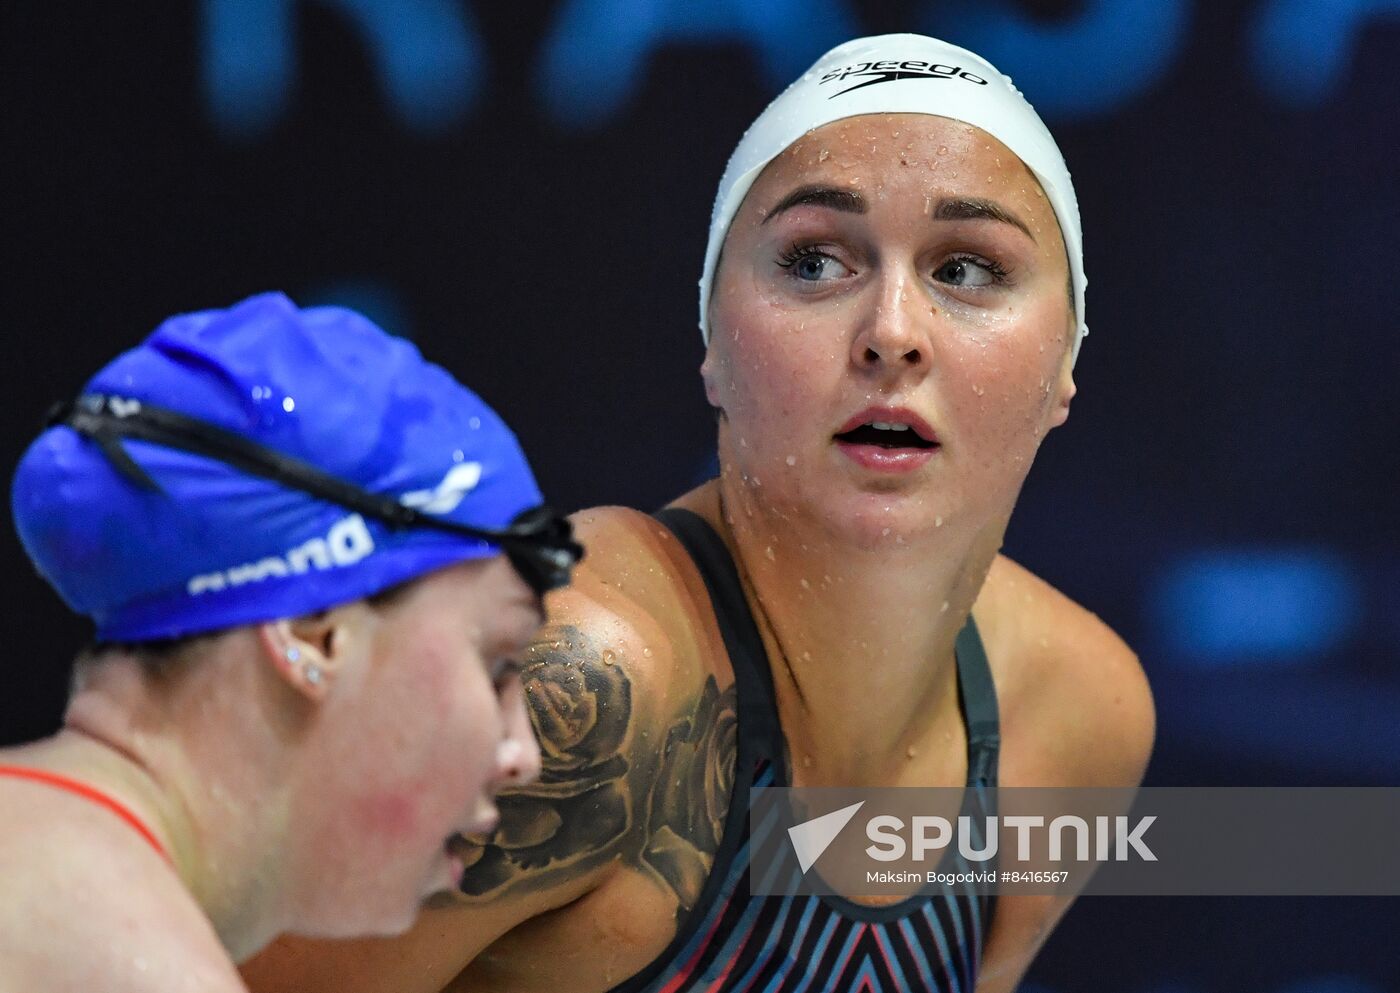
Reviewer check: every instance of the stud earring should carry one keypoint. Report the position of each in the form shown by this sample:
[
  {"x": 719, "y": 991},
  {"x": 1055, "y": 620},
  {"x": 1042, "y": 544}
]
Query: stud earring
[
  {"x": 293, "y": 654},
  {"x": 313, "y": 673}
]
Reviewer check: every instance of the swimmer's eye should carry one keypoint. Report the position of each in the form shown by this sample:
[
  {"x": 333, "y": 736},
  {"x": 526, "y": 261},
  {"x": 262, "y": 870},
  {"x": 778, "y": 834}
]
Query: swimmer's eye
[
  {"x": 811, "y": 265},
  {"x": 971, "y": 271},
  {"x": 502, "y": 672}
]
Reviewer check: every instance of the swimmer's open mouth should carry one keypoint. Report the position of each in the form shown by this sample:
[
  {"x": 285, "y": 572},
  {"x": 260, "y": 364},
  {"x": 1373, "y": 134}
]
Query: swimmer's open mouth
[
  {"x": 885, "y": 435},
  {"x": 889, "y": 428}
]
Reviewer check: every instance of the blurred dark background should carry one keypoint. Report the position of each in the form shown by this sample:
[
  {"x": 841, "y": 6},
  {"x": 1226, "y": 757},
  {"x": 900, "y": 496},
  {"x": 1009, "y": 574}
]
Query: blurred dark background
[{"x": 524, "y": 189}]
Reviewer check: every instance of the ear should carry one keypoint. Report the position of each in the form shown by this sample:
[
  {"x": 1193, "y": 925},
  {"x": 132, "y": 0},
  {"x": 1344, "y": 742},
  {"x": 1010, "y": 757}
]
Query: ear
[{"x": 310, "y": 653}]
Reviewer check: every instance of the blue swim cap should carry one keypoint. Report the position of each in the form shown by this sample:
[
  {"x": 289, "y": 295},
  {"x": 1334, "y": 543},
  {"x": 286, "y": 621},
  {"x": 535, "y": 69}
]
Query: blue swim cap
[{"x": 210, "y": 545}]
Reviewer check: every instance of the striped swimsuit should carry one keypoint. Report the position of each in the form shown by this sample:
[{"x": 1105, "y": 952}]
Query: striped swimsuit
[{"x": 733, "y": 941}]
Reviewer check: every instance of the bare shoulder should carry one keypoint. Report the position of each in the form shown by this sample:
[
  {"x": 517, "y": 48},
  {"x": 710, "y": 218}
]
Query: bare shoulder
[
  {"x": 87, "y": 908},
  {"x": 1076, "y": 710},
  {"x": 1075, "y": 704}
]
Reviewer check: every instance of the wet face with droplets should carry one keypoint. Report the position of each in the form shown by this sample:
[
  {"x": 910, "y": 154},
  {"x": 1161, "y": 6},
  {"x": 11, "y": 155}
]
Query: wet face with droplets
[{"x": 891, "y": 328}]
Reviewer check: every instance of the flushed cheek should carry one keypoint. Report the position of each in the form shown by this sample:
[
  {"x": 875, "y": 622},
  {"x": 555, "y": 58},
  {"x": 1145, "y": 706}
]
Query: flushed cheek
[{"x": 394, "y": 818}]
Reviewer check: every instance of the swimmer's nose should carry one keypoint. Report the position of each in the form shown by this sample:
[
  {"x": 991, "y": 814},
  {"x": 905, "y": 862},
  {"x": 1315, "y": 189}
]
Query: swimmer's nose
[{"x": 891, "y": 337}]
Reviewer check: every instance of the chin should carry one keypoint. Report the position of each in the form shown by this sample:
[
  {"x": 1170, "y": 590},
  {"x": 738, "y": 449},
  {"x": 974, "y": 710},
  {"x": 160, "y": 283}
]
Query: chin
[
  {"x": 379, "y": 923},
  {"x": 878, "y": 520},
  {"x": 401, "y": 925}
]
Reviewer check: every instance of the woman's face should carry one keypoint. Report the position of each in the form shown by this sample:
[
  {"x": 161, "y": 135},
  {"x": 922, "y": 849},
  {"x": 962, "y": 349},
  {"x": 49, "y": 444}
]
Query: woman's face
[
  {"x": 427, "y": 727},
  {"x": 891, "y": 328}
]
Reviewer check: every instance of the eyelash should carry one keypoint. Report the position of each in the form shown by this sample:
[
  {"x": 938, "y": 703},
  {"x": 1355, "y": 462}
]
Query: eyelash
[
  {"x": 798, "y": 252},
  {"x": 999, "y": 272}
]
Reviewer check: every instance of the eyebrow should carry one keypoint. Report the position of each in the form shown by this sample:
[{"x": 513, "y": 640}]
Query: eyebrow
[
  {"x": 977, "y": 209},
  {"x": 819, "y": 196},
  {"x": 947, "y": 209}
]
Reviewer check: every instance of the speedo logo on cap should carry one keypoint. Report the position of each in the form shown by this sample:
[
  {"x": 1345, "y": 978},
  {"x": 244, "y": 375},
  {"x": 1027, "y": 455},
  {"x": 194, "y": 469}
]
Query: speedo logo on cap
[
  {"x": 347, "y": 542},
  {"x": 872, "y": 73}
]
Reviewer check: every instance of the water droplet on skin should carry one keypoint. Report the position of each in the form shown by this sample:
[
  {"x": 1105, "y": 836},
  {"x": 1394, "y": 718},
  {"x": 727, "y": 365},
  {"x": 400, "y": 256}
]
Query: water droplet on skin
[
  {"x": 978, "y": 390},
  {"x": 743, "y": 443},
  {"x": 806, "y": 761},
  {"x": 942, "y": 149},
  {"x": 791, "y": 460},
  {"x": 646, "y": 653},
  {"x": 769, "y": 552},
  {"x": 910, "y": 752},
  {"x": 825, "y": 154},
  {"x": 806, "y": 585},
  {"x": 943, "y": 609},
  {"x": 938, "y": 522},
  {"x": 609, "y": 656},
  {"x": 885, "y": 532},
  {"x": 806, "y": 656}
]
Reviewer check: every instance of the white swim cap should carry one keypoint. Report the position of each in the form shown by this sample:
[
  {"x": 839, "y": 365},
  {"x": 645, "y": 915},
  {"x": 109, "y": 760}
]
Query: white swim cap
[{"x": 899, "y": 74}]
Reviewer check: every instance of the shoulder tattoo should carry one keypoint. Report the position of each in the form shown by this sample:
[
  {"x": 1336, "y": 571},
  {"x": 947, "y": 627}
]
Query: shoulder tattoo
[
  {"x": 689, "y": 805},
  {"x": 607, "y": 789},
  {"x": 580, "y": 704}
]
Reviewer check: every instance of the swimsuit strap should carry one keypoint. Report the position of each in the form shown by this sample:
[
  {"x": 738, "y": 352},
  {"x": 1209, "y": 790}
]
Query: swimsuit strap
[{"x": 91, "y": 794}]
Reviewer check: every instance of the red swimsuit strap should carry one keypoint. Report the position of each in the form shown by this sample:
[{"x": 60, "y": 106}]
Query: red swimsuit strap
[{"x": 90, "y": 793}]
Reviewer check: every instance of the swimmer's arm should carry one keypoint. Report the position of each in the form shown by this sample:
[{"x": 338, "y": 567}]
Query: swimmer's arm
[
  {"x": 560, "y": 837},
  {"x": 1094, "y": 715}
]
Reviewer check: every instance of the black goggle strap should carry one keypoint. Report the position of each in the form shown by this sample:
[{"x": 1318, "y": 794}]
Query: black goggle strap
[{"x": 539, "y": 542}]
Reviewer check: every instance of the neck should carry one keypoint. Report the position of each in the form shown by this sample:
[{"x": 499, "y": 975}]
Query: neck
[
  {"x": 132, "y": 740},
  {"x": 850, "y": 625}
]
